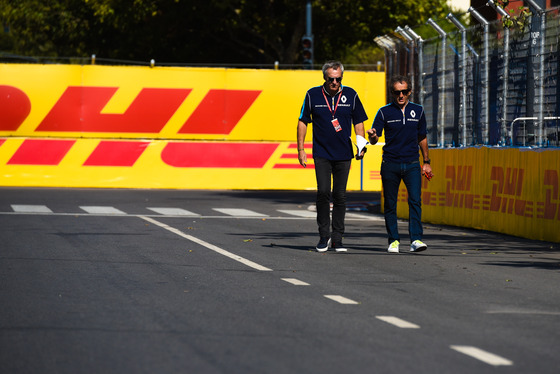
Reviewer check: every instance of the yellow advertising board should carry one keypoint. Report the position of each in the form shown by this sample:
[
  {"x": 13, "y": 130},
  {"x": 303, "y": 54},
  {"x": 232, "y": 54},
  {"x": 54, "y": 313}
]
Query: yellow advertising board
[
  {"x": 512, "y": 191},
  {"x": 164, "y": 127}
]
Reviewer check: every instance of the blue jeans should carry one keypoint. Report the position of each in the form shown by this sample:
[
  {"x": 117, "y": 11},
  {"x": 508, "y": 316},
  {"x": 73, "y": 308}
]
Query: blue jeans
[
  {"x": 411, "y": 174},
  {"x": 339, "y": 170}
]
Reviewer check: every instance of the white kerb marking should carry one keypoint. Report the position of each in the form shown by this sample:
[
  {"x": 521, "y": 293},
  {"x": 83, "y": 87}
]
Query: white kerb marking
[
  {"x": 482, "y": 355},
  {"x": 398, "y": 322},
  {"x": 341, "y": 299},
  {"x": 299, "y": 213},
  {"x": 173, "y": 212},
  {"x": 212, "y": 247},
  {"x": 363, "y": 216},
  {"x": 295, "y": 282},
  {"x": 31, "y": 209},
  {"x": 239, "y": 212},
  {"x": 101, "y": 210}
]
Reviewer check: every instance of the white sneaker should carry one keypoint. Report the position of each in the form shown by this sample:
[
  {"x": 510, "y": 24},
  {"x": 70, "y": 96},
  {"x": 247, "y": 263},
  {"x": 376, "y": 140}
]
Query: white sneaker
[
  {"x": 394, "y": 247},
  {"x": 323, "y": 245},
  {"x": 338, "y": 247},
  {"x": 418, "y": 246}
]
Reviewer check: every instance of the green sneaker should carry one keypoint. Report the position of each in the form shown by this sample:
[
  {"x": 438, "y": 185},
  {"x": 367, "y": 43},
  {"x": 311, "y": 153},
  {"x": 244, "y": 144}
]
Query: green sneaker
[
  {"x": 418, "y": 246},
  {"x": 394, "y": 247}
]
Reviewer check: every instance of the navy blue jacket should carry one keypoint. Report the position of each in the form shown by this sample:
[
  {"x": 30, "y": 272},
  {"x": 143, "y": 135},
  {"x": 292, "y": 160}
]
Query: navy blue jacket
[
  {"x": 327, "y": 142},
  {"x": 401, "y": 131}
]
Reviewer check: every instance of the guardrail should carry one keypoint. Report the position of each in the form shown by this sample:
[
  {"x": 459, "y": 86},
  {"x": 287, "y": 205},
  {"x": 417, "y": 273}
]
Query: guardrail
[{"x": 549, "y": 133}]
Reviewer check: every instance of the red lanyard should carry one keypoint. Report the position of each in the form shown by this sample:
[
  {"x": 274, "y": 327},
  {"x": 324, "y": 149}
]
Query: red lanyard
[{"x": 328, "y": 105}]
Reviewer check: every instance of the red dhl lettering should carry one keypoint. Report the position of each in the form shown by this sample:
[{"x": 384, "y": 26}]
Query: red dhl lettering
[
  {"x": 79, "y": 109},
  {"x": 550, "y": 208},
  {"x": 116, "y": 153},
  {"x": 219, "y": 112},
  {"x": 126, "y": 153},
  {"x": 459, "y": 178},
  {"x": 459, "y": 183},
  {"x": 506, "y": 188},
  {"x": 375, "y": 175},
  {"x": 41, "y": 152},
  {"x": 14, "y": 108},
  {"x": 508, "y": 183},
  {"x": 293, "y": 155},
  {"x": 217, "y": 155}
]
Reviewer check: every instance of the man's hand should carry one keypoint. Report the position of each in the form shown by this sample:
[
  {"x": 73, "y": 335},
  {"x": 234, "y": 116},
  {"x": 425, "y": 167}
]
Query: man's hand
[
  {"x": 362, "y": 154},
  {"x": 372, "y": 135},
  {"x": 302, "y": 157},
  {"x": 427, "y": 171}
]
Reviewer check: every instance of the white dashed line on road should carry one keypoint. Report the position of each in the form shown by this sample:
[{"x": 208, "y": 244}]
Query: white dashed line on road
[
  {"x": 341, "y": 299},
  {"x": 31, "y": 208},
  {"x": 299, "y": 213},
  {"x": 212, "y": 247},
  {"x": 398, "y": 322},
  {"x": 102, "y": 210},
  {"x": 174, "y": 212},
  {"x": 239, "y": 212},
  {"x": 482, "y": 355},
  {"x": 295, "y": 282}
]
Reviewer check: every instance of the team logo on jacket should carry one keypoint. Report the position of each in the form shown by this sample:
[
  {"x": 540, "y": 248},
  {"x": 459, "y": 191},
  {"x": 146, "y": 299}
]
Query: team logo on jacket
[
  {"x": 343, "y": 99},
  {"x": 412, "y": 114}
]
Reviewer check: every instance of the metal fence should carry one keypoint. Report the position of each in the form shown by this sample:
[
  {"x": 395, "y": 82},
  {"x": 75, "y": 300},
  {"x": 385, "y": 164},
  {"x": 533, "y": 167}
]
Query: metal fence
[{"x": 485, "y": 84}]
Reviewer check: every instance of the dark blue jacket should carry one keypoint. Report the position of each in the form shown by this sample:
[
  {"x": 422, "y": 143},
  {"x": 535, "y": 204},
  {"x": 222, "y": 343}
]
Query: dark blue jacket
[
  {"x": 327, "y": 142},
  {"x": 401, "y": 131}
]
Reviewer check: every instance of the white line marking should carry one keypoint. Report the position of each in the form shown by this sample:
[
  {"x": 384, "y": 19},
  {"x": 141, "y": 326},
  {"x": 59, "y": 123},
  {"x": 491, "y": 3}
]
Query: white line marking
[
  {"x": 173, "y": 212},
  {"x": 364, "y": 216},
  {"x": 295, "y": 282},
  {"x": 299, "y": 213},
  {"x": 481, "y": 355},
  {"x": 31, "y": 208},
  {"x": 101, "y": 210},
  {"x": 239, "y": 212},
  {"x": 341, "y": 299},
  {"x": 398, "y": 322},
  {"x": 506, "y": 310},
  {"x": 212, "y": 247}
]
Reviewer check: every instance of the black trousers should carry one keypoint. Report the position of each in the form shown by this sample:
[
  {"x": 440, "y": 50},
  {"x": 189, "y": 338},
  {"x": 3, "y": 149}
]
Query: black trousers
[{"x": 339, "y": 171}]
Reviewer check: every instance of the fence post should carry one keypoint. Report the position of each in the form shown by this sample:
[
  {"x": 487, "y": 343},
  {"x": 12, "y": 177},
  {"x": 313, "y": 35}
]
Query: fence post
[
  {"x": 503, "y": 13},
  {"x": 463, "y": 69},
  {"x": 410, "y": 41},
  {"x": 441, "y": 125},
  {"x": 540, "y": 77},
  {"x": 390, "y": 50},
  {"x": 420, "y": 43},
  {"x": 486, "y": 76}
]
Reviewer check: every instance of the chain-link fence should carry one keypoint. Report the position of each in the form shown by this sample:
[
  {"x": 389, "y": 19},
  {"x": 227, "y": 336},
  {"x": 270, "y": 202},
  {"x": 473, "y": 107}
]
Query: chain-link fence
[{"x": 486, "y": 84}]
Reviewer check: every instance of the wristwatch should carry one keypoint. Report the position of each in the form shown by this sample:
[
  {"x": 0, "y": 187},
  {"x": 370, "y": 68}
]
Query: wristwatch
[{"x": 427, "y": 161}]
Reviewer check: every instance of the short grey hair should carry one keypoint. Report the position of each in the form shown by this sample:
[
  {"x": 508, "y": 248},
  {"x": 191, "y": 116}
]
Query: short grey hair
[
  {"x": 400, "y": 79},
  {"x": 333, "y": 64}
]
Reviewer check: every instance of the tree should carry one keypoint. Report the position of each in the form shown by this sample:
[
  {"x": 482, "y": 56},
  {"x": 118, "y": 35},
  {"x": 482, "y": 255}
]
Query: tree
[{"x": 204, "y": 31}]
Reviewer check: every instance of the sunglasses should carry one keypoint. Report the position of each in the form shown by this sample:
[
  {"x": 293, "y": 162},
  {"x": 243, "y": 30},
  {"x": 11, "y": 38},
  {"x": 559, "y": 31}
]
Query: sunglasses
[
  {"x": 399, "y": 92},
  {"x": 339, "y": 79}
]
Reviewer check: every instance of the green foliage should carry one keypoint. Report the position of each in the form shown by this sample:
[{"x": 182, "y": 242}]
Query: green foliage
[
  {"x": 205, "y": 31},
  {"x": 518, "y": 18}
]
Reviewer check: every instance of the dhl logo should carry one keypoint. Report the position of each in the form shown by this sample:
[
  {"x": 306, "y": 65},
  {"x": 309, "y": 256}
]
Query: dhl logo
[
  {"x": 505, "y": 196},
  {"x": 80, "y": 109},
  {"x": 190, "y": 154}
]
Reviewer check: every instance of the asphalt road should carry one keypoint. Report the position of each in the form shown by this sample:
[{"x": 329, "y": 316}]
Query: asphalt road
[{"x": 154, "y": 281}]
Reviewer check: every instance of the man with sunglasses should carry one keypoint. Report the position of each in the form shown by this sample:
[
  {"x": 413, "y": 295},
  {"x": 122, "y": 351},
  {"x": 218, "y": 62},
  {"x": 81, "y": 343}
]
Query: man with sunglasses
[
  {"x": 333, "y": 109},
  {"x": 404, "y": 124}
]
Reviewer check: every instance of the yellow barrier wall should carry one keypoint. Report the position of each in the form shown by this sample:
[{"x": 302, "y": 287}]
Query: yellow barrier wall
[
  {"x": 164, "y": 127},
  {"x": 512, "y": 191}
]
